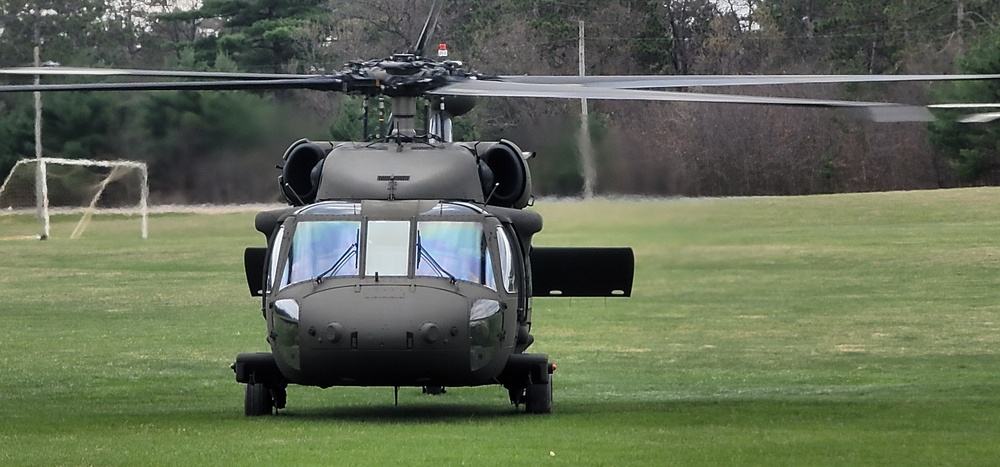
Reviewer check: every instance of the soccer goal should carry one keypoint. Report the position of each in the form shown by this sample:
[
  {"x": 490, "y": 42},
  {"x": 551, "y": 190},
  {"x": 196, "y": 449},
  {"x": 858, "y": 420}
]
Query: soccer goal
[{"x": 81, "y": 187}]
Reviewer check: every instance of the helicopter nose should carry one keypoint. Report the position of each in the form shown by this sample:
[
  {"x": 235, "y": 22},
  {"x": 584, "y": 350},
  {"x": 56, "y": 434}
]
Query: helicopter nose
[
  {"x": 335, "y": 333},
  {"x": 384, "y": 318},
  {"x": 386, "y": 334},
  {"x": 429, "y": 333}
]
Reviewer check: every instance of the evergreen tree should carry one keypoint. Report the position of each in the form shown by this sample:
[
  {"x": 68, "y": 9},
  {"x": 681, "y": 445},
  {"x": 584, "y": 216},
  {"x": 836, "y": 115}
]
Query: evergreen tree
[
  {"x": 974, "y": 149},
  {"x": 259, "y": 35},
  {"x": 69, "y": 31}
]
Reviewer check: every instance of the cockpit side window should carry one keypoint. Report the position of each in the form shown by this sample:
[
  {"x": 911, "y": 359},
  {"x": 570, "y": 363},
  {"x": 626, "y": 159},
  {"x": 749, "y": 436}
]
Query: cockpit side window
[
  {"x": 507, "y": 270},
  {"x": 275, "y": 253}
]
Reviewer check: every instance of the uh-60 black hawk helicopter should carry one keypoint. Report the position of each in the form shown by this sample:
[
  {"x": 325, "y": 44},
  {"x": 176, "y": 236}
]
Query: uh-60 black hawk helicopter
[{"x": 406, "y": 259}]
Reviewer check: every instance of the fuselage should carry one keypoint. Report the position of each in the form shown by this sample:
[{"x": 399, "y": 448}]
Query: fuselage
[{"x": 409, "y": 264}]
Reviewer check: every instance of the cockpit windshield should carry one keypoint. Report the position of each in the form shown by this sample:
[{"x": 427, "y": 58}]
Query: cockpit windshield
[
  {"x": 387, "y": 247},
  {"x": 323, "y": 249},
  {"x": 449, "y": 241},
  {"x": 457, "y": 250}
]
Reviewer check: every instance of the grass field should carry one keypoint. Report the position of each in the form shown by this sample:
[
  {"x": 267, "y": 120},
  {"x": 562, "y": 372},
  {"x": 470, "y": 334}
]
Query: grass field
[{"x": 829, "y": 330}]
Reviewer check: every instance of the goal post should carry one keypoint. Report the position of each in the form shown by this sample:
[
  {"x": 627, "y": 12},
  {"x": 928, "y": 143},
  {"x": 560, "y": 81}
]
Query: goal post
[{"x": 87, "y": 187}]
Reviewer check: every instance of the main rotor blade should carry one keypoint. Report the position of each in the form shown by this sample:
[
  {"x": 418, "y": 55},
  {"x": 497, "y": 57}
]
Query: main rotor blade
[
  {"x": 432, "y": 17},
  {"x": 965, "y": 106},
  {"x": 323, "y": 83},
  {"x": 879, "y": 111},
  {"x": 677, "y": 81},
  {"x": 74, "y": 71}
]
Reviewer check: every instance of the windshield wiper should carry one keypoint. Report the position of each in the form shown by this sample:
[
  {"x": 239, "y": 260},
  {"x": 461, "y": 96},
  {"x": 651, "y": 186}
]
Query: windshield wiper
[
  {"x": 423, "y": 253},
  {"x": 350, "y": 252}
]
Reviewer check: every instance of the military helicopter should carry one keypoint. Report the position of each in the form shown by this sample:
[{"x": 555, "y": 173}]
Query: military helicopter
[{"x": 405, "y": 259}]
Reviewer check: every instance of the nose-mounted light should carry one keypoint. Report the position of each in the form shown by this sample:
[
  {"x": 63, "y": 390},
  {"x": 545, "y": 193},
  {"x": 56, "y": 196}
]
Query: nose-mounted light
[
  {"x": 287, "y": 308},
  {"x": 485, "y": 329},
  {"x": 483, "y": 308}
]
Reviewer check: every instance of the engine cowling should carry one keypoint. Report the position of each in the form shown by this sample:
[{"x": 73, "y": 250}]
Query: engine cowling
[
  {"x": 301, "y": 172},
  {"x": 511, "y": 179}
]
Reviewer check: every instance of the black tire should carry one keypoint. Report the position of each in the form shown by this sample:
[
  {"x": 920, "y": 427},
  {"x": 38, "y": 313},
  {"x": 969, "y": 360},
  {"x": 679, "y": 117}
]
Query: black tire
[
  {"x": 258, "y": 400},
  {"x": 538, "y": 398}
]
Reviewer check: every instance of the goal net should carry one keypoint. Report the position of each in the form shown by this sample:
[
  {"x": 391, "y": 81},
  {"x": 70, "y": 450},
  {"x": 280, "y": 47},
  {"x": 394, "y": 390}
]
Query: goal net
[{"x": 36, "y": 189}]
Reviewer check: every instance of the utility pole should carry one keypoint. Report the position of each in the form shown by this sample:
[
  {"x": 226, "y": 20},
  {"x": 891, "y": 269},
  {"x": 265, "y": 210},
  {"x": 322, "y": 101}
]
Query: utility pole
[
  {"x": 41, "y": 187},
  {"x": 584, "y": 143}
]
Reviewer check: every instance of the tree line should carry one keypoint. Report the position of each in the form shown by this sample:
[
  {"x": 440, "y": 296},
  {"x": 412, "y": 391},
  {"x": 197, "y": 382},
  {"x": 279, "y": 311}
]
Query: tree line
[{"x": 213, "y": 146}]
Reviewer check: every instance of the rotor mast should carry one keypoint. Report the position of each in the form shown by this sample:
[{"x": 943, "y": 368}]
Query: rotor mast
[
  {"x": 437, "y": 124},
  {"x": 404, "y": 109}
]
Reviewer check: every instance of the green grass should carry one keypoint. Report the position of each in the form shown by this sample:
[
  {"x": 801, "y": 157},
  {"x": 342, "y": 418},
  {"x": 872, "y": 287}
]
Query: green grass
[{"x": 831, "y": 330}]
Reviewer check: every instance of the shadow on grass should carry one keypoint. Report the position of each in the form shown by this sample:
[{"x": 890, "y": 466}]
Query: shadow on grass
[
  {"x": 911, "y": 402},
  {"x": 422, "y": 413},
  {"x": 793, "y": 413},
  {"x": 737, "y": 411}
]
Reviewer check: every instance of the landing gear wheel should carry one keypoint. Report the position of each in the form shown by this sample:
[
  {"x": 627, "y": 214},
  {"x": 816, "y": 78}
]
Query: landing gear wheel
[
  {"x": 528, "y": 380},
  {"x": 258, "y": 400},
  {"x": 538, "y": 398}
]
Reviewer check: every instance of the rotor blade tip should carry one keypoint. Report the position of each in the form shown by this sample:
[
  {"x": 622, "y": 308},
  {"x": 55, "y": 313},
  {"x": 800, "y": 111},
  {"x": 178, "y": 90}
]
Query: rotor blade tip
[{"x": 980, "y": 118}]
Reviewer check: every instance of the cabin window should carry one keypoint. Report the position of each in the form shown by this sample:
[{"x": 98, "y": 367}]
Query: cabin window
[
  {"x": 453, "y": 249},
  {"x": 322, "y": 249},
  {"x": 387, "y": 248},
  {"x": 273, "y": 268},
  {"x": 507, "y": 272}
]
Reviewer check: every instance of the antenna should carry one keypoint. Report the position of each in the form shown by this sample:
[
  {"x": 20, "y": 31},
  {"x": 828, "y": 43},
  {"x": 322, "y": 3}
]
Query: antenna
[
  {"x": 297, "y": 195},
  {"x": 429, "y": 25},
  {"x": 493, "y": 191}
]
